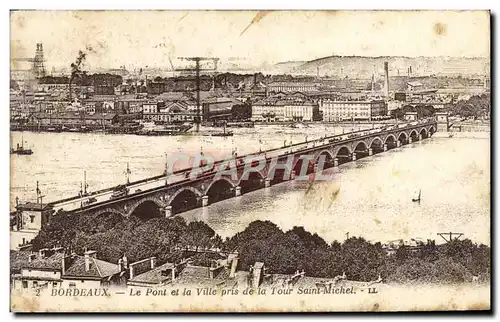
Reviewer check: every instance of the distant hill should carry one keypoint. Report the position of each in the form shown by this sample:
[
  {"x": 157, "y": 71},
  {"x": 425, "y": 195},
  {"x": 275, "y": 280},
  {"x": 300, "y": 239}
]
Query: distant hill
[{"x": 364, "y": 67}]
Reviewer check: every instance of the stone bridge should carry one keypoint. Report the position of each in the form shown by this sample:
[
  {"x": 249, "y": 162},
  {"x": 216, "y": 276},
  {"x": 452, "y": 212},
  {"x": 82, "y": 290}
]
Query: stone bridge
[{"x": 262, "y": 170}]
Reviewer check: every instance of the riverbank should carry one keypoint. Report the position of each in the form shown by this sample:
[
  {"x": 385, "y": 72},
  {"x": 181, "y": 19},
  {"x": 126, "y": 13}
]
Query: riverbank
[{"x": 463, "y": 135}]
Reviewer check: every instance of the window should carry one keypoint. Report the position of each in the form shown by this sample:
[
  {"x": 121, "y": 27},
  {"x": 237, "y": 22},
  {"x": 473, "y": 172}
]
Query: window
[
  {"x": 25, "y": 284},
  {"x": 54, "y": 284},
  {"x": 32, "y": 218},
  {"x": 35, "y": 284}
]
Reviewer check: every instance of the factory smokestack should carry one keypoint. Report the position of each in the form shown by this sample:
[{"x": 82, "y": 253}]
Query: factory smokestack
[{"x": 386, "y": 79}]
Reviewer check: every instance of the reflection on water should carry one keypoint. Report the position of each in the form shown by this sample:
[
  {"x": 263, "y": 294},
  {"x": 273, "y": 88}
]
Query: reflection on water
[{"x": 370, "y": 197}]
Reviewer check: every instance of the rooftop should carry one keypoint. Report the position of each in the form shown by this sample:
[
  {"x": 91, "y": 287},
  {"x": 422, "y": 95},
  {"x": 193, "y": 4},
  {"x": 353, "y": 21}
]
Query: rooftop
[
  {"x": 98, "y": 268},
  {"x": 32, "y": 206},
  {"x": 76, "y": 115},
  {"x": 153, "y": 276}
]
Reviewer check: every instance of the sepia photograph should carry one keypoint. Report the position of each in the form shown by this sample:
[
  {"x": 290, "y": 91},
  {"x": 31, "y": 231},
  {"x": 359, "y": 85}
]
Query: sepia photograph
[{"x": 250, "y": 161}]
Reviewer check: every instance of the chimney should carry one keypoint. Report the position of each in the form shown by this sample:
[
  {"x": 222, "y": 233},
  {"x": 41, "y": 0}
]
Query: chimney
[
  {"x": 257, "y": 274},
  {"x": 131, "y": 272},
  {"x": 386, "y": 75},
  {"x": 120, "y": 265},
  {"x": 88, "y": 255},
  {"x": 66, "y": 262},
  {"x": 125, "y": 262},
  {"x": 234, "y": 264},
  {"x": 42, "y": 252},
  {"x": 153, "y": 262}
]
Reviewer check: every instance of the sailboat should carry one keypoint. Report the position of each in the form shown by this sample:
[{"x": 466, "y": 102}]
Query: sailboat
[
  {"x": 21, "y": 150},
  {"x": 417, "y": 197}
]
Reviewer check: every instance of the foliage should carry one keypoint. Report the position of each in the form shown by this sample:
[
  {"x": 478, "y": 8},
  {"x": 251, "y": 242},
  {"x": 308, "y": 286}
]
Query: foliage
[
  {"x": 112, "y": 236},
  {"x": 421, "y": 109},
  {"x": 475, "y": 106}
]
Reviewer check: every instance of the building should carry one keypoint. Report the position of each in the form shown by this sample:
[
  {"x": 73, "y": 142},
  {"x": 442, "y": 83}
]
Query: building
[
  {"x": 299, "y": 110},
  {"x": 217, "y": 108},
  {"x": 73, "y": 119},
  {"x": 27, "y": 221},
  {"x": 220, "y": 272},
  {"x": 268, "y": 110},
  {"x": 177, "y": 111},
  {"x": 89, "y": 272},
  {"x": 150, "y": 107},
  {"x": 414, "y": 86},
  {"x": 282, "y": 107},
  {"x": 291, "y": 87},
  {"x": 40, "y": 270},
  {"x": 352, "y": 110}
]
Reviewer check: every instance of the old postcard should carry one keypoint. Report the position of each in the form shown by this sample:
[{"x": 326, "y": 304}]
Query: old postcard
[{"x": 244, "y": 161}]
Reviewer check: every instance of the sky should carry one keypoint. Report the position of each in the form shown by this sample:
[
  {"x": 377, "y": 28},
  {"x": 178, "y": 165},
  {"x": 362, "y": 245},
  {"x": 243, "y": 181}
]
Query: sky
[{"x": 148, "y": 38}]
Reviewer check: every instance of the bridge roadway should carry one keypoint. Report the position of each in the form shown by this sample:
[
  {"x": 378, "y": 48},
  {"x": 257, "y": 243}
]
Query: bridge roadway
[{"x": 179, "y": 179}]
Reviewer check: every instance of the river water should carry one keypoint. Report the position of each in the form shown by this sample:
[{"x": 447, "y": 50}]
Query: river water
[{"x": 370, "y": 197}]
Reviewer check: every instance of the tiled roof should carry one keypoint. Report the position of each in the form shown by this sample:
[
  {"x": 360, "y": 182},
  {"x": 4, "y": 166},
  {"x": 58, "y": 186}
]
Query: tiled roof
[
  {"x": 53, "y": 262},
  {"x": 200, "y": 275},
  {"x": 18, "y": 260},
  {"x": 32, "y": 206},
  {"x": 153, "y": 276},
  {"x": 98, "y": 268}
]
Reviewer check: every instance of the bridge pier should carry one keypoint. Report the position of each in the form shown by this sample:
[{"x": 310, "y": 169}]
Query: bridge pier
[
  {"x": 168, "y": 211},
  {"x": 370, "y": 151},
  {"x": 237, "y": 191},
  {"x": 410, "y": 140},
  {"x": 336, "y": 162},
  {"x": 292, "y": 175},
  {"x": 354, "y": 156},
  {"x": 420, "y": 137},
  {"x": 385, "y": 147},
  {"x": 204, "y": 201},
  {"x": 398, "y": 144},
  {"x": 267, "y": 183}
]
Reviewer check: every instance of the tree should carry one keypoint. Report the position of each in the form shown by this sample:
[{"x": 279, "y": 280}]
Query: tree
[{"x": 76, "y": 69}]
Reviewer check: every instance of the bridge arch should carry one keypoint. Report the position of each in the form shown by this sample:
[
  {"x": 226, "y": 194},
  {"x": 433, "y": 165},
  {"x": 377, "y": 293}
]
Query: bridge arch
[
  {"x": 147, "y": 208},
  {"x": 328, "y": 159},
  {"x": 423, "y": 133},
  {"x": 219, "y": 189},
  {"x": 361, "y": 149},
  {"x": 414, "y": 135},
  {"x": 376, "y": 145},
  {"x": 279, "y": 173},
  {"x": 403, "y": 138},
  {"x": 184, "y": 199},
  {"x": 390, "y": 140},
  {"x": 343, "y": 154},
  {"x": 250, "y": 181},
  {"x": 431, "y": 130}
]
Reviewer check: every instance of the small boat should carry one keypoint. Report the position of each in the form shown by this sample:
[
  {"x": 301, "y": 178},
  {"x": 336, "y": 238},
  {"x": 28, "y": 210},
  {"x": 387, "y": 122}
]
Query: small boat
[
  {"x": 417, "y": 197},
  {"x": 53, "y": 129},
  {"x": 229, "y": 133},
  {"x": 450, "y": 135},
  {"x": 223, "y": 134}
]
